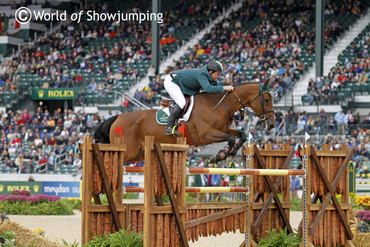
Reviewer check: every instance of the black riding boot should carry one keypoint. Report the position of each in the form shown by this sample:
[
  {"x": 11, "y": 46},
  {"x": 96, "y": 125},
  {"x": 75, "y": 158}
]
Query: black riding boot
[{"x": 171, "y": 127}]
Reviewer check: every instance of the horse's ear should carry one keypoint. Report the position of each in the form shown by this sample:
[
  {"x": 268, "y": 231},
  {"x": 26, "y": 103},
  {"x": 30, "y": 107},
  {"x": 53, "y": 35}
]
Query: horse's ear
[{"x": 267, "y": 85}]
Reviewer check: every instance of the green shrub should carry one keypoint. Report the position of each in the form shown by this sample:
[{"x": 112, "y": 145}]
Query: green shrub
[
  {"x": 99, "y": 241},
  {"x": 281, "y": 239},
  {"x": 126, "y": 238},
  {"x": 22, "y": 202},
  {"x": 191, "y": 197},
  {"x": 104, "y": 199},
  {"x": 74, "y": 203},
  {"x": 117, "y": 239},
  {"x": 60, "y": 207},
  {"x": 296, "y": 204},
  {"x": 130, "y": 196}
]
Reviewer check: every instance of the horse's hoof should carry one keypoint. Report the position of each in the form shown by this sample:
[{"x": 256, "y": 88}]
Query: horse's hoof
[{"x": 221, "y": 156}]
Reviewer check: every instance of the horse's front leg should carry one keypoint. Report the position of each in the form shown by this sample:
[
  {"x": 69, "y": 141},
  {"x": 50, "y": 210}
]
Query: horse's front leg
[
  {"x": 220, "y": 137},
  {"x": 242, "y": 138}
]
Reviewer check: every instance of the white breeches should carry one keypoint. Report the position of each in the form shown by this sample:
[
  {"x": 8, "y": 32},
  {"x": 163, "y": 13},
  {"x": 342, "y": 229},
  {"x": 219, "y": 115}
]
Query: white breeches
[{"x": 174, "y": 91}]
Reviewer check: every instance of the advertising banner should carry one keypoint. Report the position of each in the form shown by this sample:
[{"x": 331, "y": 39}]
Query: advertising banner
[
  {"x": 55, "y": 93},
  {"x": 33, "y": 187},
  {"x": 62, "y": 189}
]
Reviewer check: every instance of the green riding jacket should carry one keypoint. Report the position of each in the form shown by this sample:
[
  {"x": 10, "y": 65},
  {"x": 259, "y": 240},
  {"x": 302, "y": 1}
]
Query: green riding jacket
[{"x": 192, "y": 80}]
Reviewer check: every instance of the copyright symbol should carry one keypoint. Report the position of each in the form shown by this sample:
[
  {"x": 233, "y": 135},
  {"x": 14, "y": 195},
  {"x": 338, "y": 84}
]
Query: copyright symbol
[{"x": 23, "y": 15}]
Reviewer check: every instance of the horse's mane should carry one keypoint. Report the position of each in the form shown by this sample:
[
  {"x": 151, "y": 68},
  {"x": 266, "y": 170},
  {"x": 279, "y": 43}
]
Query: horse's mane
[{"x": 246, "y": 83}]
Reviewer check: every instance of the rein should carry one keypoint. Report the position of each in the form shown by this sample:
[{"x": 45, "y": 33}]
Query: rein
[{"x": 221, "y": 101}]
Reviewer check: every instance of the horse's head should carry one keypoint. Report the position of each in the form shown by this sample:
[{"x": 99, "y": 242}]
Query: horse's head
[{"x": 262, "y": 105}]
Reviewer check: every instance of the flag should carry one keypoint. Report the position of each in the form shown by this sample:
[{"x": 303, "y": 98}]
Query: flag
[
  {"x": 17, "y": 24},
  {"x": 250, "y": 137},
  {"x": 119, "y": 130},
  {"x": 306, "y": 136},
  {"x": 182, "y": 129},
  {"x": 14, "y": 27}
]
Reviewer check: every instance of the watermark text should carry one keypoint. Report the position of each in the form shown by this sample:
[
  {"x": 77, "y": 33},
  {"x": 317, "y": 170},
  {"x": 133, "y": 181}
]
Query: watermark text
[{"x": 24, "y": 15}]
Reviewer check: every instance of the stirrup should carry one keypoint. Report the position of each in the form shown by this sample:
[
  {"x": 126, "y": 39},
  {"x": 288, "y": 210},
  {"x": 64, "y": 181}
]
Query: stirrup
[
  {"x": 169, "y": 130},
  {"x": 174, "y": 131}
]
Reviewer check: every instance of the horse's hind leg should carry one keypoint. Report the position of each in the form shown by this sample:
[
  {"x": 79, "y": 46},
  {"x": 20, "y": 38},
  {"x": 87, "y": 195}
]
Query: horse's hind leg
[{"x": 140, "y": 155}]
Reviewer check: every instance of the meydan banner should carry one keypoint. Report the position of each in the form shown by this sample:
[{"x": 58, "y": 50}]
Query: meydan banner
[{"x": 55, "y": 93}]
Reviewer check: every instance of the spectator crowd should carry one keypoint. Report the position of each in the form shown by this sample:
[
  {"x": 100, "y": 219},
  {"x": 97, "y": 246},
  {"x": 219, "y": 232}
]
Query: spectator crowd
[
  {"x": 260, "y": 41},
  {"x": 28, "y": 142}
]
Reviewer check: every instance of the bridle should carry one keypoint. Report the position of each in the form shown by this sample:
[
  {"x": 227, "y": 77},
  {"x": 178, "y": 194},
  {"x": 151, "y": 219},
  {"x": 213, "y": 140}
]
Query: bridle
[{"x": 262, "y": 115}]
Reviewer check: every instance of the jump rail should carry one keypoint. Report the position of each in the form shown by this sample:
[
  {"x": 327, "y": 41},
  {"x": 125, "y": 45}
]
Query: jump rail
[
  {"x": 229, "y": 171},
  {"x": 195, "y": 189}
]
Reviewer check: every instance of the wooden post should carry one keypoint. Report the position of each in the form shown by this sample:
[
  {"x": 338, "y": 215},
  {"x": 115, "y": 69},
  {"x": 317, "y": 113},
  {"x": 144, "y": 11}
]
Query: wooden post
[
  {"x": 149, "y": 194},
  {"x": 118, "y": 194},
  {"x": 86, "y": 189},
  {"x": 180, "y": 197}
]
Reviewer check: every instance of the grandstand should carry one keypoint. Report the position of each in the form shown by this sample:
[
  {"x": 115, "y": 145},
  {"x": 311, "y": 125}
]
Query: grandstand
[{"x": 58, "y": 80}]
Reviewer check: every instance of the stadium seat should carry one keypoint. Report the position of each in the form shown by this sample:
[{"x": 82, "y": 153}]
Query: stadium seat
[
  {"x": 357, "y": 88},
  {"x": 348, "y": 92}
]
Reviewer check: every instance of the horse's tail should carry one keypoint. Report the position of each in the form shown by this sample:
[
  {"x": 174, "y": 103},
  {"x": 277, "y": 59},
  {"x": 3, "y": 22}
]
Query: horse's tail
[{"x": 101, "y": 134}]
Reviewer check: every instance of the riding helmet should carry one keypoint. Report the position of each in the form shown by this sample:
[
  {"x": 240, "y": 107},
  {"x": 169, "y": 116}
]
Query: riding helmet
[{"x": 215, "y": 66}]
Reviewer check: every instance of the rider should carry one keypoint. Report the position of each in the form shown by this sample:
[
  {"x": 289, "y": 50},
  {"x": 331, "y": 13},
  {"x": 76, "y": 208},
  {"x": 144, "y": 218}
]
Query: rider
[{"x": 189, "y": 82}]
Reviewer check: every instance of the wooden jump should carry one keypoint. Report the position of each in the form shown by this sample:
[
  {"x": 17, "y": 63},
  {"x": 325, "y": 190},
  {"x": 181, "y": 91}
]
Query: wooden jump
[
  {"x": 230, "y": 171},
  {"x": 177, "y": 223}
]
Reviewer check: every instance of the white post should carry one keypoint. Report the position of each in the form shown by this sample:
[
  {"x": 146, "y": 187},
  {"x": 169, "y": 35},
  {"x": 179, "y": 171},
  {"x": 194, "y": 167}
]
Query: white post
[
  {"x": 247, "y": 184},
  {"x": 304, "y": 193}
]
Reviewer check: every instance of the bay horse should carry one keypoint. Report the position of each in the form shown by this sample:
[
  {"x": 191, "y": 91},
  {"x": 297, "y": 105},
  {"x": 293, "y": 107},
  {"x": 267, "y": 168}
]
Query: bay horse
[{"x": 209, "y": 121}]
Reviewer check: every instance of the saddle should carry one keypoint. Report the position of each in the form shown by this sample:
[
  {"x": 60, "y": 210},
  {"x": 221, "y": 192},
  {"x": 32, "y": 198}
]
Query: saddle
[{"x": 168, "y": 102}]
